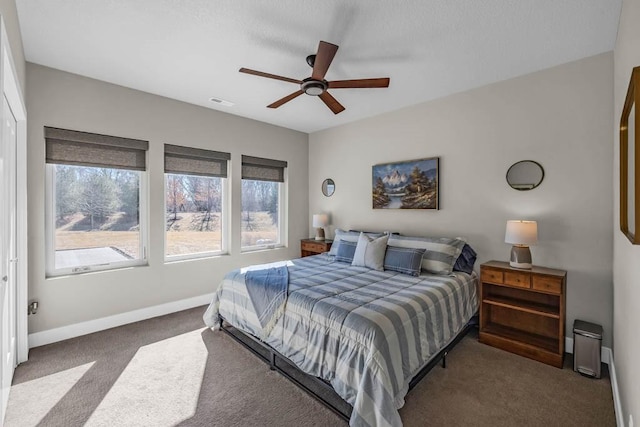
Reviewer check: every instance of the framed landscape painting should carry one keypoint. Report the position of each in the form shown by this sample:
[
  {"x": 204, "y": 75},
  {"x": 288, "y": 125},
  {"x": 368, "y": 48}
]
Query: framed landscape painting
[{"x": 412, "y": 184}]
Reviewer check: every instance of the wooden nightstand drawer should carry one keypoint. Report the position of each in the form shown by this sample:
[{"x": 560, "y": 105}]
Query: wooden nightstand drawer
[
  {"x": 491, "y": 275},
  {"x": 312, "y": 247},
  {"x": 519, "y": 280},
  {"x": 547, "y": 284}
]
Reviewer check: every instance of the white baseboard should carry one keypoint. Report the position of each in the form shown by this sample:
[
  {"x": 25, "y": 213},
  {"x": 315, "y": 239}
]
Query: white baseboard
[
  {"x": 605, "y": 352},
  {"x": 617, "y": 404},
  {"x": 71, "y": 331}
]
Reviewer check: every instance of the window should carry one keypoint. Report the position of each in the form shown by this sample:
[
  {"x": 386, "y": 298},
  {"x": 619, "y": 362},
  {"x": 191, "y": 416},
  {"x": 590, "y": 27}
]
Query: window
[
  {"x": 263, "y": 221},
  {"x": 95, "y": 209},
  {"x": 195, "y": 187}
]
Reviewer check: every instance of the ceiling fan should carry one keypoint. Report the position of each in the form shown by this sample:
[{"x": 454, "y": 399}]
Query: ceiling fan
[{"x": 316, "y": 85}]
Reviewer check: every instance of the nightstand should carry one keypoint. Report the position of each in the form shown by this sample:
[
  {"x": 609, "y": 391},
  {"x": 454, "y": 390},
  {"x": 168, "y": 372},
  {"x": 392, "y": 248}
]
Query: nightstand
[
  {"x": 523, "y": 311},
  {"x": 310, "y": 247}
]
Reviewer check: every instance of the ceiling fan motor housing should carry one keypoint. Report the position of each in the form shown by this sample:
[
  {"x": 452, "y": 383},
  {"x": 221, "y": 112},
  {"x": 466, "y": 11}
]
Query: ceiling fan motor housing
[{"x": 314, "y": 87}]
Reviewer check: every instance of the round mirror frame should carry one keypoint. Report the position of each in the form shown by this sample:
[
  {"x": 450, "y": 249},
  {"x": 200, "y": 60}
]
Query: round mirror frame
[
  {"x": 325, "y": 187},
  {"x": 525, "y": 161}
]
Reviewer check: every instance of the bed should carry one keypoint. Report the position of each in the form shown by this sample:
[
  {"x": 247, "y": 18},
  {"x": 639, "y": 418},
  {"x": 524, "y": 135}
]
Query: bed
[{"x": 367, "y": 333}]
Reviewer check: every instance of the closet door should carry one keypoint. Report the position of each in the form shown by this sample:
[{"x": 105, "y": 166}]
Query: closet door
[
  {"x": 13, "y": 222},
  {"x": 8, "y": 250}
]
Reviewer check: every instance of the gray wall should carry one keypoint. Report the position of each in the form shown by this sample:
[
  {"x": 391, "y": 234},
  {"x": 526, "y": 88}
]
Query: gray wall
[
  {"x": 10, "y": 16},
  {"x": 626, "y": 257},
  {"x": 560, "y": 117},
  {"x": 60, "y": 99}
]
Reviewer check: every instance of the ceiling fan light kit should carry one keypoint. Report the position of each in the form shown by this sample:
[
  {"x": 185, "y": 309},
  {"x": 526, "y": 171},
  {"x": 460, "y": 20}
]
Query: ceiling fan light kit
[{"x": 316, "y": 85}]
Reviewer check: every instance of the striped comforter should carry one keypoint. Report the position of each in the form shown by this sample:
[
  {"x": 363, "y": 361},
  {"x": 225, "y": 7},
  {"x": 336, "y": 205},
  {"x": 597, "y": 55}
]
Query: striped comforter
[{"x": 366, "y": 332}]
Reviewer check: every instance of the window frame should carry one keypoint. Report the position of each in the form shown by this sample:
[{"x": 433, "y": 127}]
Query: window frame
[
  {"x": 224, "y": 225},
  {"x": 50, "y": 230},
  {"x": 198, "y": 162}
]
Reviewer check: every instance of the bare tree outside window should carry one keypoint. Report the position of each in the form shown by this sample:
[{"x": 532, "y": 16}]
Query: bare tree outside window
[
  {"x": 97, "y": 215},
  {"x": 176, "y": 197},
  {"x": 194, "y": 214},
  {"x": 260, "y": 213}
]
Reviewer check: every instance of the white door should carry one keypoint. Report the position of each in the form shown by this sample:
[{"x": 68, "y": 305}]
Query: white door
[{"x": 8, "y": 250}]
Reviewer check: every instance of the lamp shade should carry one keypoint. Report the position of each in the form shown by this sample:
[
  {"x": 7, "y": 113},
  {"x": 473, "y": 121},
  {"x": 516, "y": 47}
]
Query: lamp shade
[
  {"x": 320, "y": 220},
  {"x": 521, "y": 232}
]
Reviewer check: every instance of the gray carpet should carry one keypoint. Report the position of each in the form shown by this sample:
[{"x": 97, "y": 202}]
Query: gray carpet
[{"x": 170, "y": 371}]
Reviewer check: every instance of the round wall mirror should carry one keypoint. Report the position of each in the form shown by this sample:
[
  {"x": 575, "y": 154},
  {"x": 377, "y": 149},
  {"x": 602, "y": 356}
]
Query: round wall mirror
[
  {"x": 525, "y": 175},
  {"x": 328, "y": 187}
]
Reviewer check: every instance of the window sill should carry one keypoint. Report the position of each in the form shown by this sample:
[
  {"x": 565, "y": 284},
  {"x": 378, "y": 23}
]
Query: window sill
[
  {"x": 253, "y": 249},
  {"x": 194, "y": 257},
  {"x": 66, "y": 273}
]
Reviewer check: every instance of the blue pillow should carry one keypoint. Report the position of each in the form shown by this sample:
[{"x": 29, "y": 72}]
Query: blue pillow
[
  {"x": 466, "y": 260},
  {"x": 403, "y": 260},
  {"x": 345, "y": 251}
]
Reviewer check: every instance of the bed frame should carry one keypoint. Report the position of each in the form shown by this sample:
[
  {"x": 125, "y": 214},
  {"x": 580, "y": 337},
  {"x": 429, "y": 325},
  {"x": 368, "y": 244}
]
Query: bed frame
[{"x": 317, "y": 387}]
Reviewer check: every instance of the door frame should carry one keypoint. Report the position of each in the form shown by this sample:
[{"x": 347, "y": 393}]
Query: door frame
[{"x": 11, "y": 89}]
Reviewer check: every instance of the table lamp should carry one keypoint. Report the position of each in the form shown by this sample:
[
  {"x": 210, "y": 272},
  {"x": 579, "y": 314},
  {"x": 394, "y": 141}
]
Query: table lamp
[
  {"x": 319, "y": 222},
  {"x": 521, "y": 234}
]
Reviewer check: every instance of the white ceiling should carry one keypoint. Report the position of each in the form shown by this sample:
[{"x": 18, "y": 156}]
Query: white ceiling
[{"x": 191, "y": 50}]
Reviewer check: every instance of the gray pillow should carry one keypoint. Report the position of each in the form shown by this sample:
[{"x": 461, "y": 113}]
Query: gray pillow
[{"x": 370, "y": 252}]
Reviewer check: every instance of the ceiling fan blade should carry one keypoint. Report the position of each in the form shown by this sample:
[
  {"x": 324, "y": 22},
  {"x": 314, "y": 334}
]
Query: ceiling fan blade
[
  {"x": 359, "y": 83},
  {"x": 331, "y": 102},
  {"x": 286, "y": 99},
  {"x": 326, "y": 52},
  {"x": 270, "y": 76}
]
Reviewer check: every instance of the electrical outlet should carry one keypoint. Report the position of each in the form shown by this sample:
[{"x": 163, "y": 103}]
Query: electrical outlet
[{"x": 630, "y": 420}]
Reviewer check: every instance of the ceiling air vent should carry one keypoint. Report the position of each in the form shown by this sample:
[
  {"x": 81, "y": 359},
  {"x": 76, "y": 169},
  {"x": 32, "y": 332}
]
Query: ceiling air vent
[{"x": 222, "y": 102}]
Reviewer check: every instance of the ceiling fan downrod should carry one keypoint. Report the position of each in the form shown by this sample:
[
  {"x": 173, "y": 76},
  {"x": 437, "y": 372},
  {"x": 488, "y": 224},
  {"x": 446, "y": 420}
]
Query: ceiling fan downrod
[{"x": 311, "y": 60}]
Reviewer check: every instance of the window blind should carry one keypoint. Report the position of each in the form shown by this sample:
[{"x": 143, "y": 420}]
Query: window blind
[
  {"x": 72, "y": 147},
  {"x": 261, "y": 169},
  {"x": 195, "y": 161}
]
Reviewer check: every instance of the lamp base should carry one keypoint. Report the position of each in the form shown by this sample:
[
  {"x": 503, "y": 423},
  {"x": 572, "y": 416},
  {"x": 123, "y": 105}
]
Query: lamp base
[
  {"x": 320, "y": 233},
  {"x": 521, "y": 257}
]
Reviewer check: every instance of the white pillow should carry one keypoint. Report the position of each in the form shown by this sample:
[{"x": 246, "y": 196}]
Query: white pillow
[
  {"x": 370, "y": 252},
  {"x": 349, "y": 236}
]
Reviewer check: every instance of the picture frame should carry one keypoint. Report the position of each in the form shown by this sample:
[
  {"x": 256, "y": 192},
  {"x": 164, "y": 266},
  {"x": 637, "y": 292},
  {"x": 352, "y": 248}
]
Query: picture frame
[
  {"x": 630, "y": 161},
  {"x": 408, "y": 184}
]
